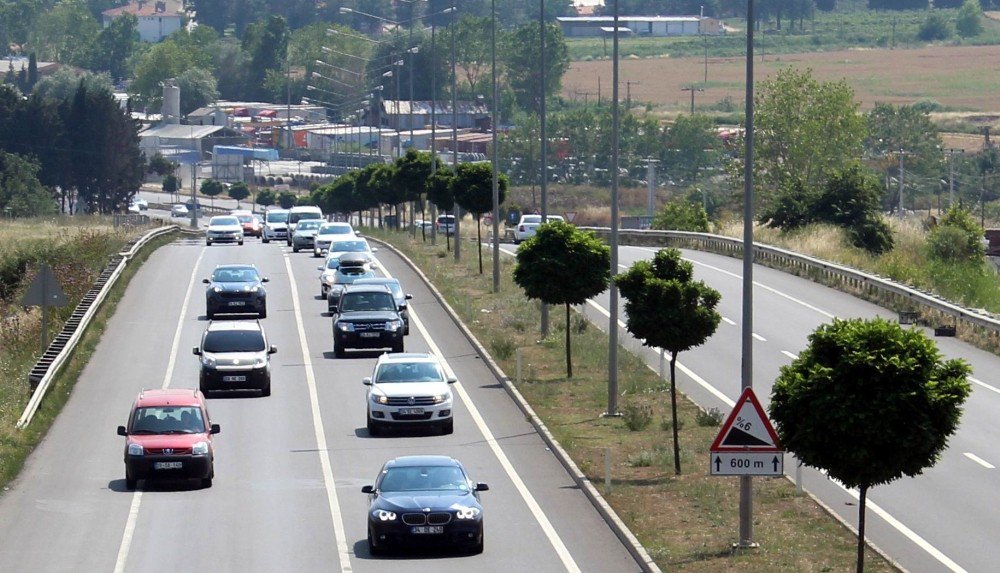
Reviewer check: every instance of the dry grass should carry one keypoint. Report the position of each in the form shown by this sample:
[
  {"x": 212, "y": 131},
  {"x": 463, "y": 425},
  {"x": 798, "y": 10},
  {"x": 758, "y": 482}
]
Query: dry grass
[{"x": 686, "y": 521}]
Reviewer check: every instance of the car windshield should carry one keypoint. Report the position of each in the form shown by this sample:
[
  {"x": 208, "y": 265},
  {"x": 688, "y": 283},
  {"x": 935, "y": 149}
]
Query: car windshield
[
  {"x": 296, "y": 217},
  {"x": 306, "y": 225},
  {"x": 245, "y": 218},
  {"x": 335, "y": 230},
  {"x": 347, "y": 275},
  {"x": 224, "y": 275},
  {"x": 439, "y": 478},
  {"x": 394, "y": 286},
  {"x": 233, "y": 341},
  {"x": 224, "y": 221},
  {"x": 409, "y": 372},
  {"x": 532, "y": 218},
  {"x": 168, "y": 420},
  {"x": 367, "y": 301},
  {"x": 276, "y": 217},
  {"x": 349, "y": 247}
]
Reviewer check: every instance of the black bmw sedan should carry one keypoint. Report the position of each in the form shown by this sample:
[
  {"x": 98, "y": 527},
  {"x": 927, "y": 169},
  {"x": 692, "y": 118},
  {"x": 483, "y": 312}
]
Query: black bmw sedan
[
  {"x": 235, "y": 289},
  {"x": 421, "y": 501}
]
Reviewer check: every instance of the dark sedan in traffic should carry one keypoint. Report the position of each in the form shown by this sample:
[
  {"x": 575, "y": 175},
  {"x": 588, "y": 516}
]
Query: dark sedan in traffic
[
  {"x": 235, "y": 289},
  {"x": 421, "y": 501}
]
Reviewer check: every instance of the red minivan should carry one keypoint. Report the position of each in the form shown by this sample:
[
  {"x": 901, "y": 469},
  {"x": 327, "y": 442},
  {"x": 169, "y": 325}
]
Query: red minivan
[{"x": 169, "y": 436}]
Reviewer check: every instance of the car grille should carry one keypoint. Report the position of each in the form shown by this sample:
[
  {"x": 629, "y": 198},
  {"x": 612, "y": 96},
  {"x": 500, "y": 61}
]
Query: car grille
[
  {"x": 414, "y": 401},
  {"x": 235, "y": 295},
  {"x": 436, "y": 518},
  {"x": 412, "y": 417},
  {"x": 368, "y": 326},
  {"x": 172, "y": 452}
]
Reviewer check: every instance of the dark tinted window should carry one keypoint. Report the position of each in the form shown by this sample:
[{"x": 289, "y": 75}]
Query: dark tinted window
[
  {"x": 245, "y": 218},
  {"x": 350, "y": 246},
  {"x": 442, "y": 478},
  {"x": 224, "y": 221},
  {"x": 367, "y": 301},
  {"x": 235, "y": 275},
  {"x": 276, "y": 217},
  {"x": 233, "y": 341},
  {"x": 296, "y": 217},
  {"x": 305, "y": 225},
  {"x": 168, "y": 420},
  {"x": 409, "y": 372}
]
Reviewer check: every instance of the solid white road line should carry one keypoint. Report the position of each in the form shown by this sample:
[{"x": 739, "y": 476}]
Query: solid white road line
[
  {"x": 984, "y": 385},
  {"x": 980, "y": 461},
  {"x": 550, "y": 532},
  {"x": 317, "y": 416},
  {"x": 758, "y": 337},
  {"x": 728, "y": 321},
  {"x": 133, "y": 512},
  {"x": 790, "y": 355}
]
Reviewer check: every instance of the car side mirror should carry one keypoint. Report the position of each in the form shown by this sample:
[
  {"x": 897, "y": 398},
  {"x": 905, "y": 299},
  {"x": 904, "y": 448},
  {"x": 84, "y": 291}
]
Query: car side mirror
[
  {"x": 196, "y": 351},
  {"x": 452, "y": 380},
  {"x": 265, "y": 280},
  {"x": 272, "y": 349},
  {"x": 358, "y": 234},
  {"x": 374, "y": 249},
  {"x": 480, "y": 486},
  {"x": 215, "y": 429},
  {"x": 319, "y": 268},
  {"x": 366, "y": 381},
  {"x": 409, "y": 297},
  {"x": 206, "y": 281},
  {"x": 334, "y": 308},
  {"x": 367, "y": 489},
  {"x": 402, "y": 307},
  {"x": 121, "y": 431}
]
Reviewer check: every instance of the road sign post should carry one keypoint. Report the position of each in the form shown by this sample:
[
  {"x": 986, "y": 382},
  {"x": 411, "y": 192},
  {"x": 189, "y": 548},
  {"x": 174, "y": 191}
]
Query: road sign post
[{"x": 44, "y": 291}]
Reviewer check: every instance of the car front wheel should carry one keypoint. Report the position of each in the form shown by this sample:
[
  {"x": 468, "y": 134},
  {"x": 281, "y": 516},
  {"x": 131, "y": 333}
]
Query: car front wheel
[
  {"x": 448, "y": 427},
  {"x": 373, "y": 429},
  {"x": 372, "y": 547}
]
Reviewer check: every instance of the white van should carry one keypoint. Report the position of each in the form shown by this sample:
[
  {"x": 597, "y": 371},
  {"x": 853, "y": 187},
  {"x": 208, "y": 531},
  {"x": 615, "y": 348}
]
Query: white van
[
  {"x": 301, "y": 213},
  {"x": 275, "y": 225}
]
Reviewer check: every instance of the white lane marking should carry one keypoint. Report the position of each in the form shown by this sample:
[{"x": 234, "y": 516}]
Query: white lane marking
[
  {"x": 763, "y": 286},
  {"x": 790, "y": 355},
  {"x": 758, "y": 337},
  {"x": 133, "y": 512},
  {"x": 979, "y": 461},
  {"x": 564, "y": 555},
  {"x": 317, "y": 416},
  {"x": 727, "y": 321},
  {"x": 984, "y": 385},
  {"x": 698, "y": 379}
]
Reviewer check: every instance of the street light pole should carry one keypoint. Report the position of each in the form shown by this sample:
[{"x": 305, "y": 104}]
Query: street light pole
[
  {"x": 454, "y": 134},
  {"x": 413, "y": 51},
  {"x": 544, "y": 148},
  {"x": 433, "y": 129},
  {"x": 493, "y": 126},
  {"x": 613, "y": 290}
]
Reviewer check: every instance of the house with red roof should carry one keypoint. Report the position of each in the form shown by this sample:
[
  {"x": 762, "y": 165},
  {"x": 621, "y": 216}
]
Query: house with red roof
[{"x": 157, "y": 18}]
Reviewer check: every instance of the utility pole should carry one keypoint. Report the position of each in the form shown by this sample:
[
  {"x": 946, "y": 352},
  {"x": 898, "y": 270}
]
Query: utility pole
[
  {"x": 901, "y": 174},
  {"x": 613, "y": 288},
  {"x": 544, "y": 146},
  {"x": 951, "y": 175},
  {"x": 650, "y": 186},
  {"x": 692, "y": 89},
  {"x": 628, "y": 92}
]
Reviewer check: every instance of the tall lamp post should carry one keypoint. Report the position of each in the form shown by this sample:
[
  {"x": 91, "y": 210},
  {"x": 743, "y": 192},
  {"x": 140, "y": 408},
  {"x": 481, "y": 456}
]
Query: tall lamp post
[
  {"x": 454, "y": 135},
  {"x": 613, "y": 290},
  {"x": 544, "y": 147},
  {"x": 493, "y": 127}
]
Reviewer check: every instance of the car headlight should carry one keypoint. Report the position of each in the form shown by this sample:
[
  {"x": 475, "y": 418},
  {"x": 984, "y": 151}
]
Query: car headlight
[
  {"x": 135, "y": 450},
  {"x": 467, "y": 513},
  {"x": 208, "y": 361},
  {"x": 380, "y": 399},
  {"x": 217, "y": 289},
  {"x": 199, "y": 448},
  {"x": 327, "y": 278},
  {"x": 259, "y": 362},
  {"x": 393, "y": 325},
  {"x": 255, "y": 288},
  {"x": 383, "y": 515},
  {"x": 345, "y": 326},
  {"x": 441, "y": 398}
]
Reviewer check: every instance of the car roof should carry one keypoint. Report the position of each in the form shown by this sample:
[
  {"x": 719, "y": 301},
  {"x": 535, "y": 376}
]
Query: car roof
[
  {"x": 353, "y": 258},
  {"x": 425, "y": 460},
  {"x": 377, "y": 281},
  {"x": 168, "y": 397},
  {"x": 240, "y": 212},
  {"x": 236, "y": 266},
  {"x": 337, "y": 224},
  {"x": 397, "y": 357},
  {"x": 245, "y": 325}
]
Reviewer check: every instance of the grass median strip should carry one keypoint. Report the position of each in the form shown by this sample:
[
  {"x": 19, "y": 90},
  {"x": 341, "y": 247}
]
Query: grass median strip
[{"x": 687, "y": 522}]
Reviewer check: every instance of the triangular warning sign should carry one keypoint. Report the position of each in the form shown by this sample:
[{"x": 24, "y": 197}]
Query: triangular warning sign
[{"x": 747, "y": 428}]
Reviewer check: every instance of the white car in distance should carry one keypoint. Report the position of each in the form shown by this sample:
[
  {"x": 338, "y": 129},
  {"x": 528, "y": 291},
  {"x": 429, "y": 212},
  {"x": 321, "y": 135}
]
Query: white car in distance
[
  {"x": 330, "y": 233},
  {"x": 407, "y": 390},
  {"x": 224, "y": 229},
  {"x": 528, "y": 224}
]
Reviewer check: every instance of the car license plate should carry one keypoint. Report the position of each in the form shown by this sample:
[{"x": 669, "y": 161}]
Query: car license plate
[
  {"x": 370, "y": 335},
  {"x": 234, "y": 378},
  {"x": 427, "y": 529},
  {"x": 168, "y": 465},
  {"x": 411, "y": 411},
  {"x": 237, "y": 303}
]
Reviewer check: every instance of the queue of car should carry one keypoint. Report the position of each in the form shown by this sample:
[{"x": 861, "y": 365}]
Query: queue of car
[{"x": 414, "y": 500}]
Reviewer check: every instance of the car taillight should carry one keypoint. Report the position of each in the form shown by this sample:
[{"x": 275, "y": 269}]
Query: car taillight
[{"x": 521, "y": 228}]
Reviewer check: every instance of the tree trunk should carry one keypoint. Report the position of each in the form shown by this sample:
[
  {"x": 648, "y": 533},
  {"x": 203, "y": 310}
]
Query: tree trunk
[
  {"x": 479, "y": 240},
  {"x": 861, "y": 528},
  {"x": 673, "y": 411},
  {"x": 569, "y": 354}
]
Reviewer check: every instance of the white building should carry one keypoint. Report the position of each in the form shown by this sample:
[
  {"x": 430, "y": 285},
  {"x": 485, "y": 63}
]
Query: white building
[
  {"x": 651, "y": 26},
  {"x": 157, "y": 19}
]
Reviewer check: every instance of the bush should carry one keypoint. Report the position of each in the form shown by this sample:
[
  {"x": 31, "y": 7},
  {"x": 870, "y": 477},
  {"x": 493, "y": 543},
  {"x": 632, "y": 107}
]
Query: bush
[
  {"x": 709, "y": 418},
  {"x": 681, "y": 216},
  {"x": 637, "y": 416},
  {"x": 958, "y": 238},
  {"x": 502, "y": 348},
  {"x": 643, "y": 459},
  {"x": 936, "y": 27},
  {"x": 873, "y": 235},
  {"x": 968, "y": 22}
]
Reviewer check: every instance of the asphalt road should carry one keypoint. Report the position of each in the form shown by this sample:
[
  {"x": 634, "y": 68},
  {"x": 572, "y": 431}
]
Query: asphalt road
[
  {"x": 289, "y": 468},
  {"x": 943, "y": 520}
]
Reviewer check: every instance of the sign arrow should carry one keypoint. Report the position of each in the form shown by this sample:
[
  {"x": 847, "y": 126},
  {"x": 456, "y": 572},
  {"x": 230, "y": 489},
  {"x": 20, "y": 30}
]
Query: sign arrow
[
  {"x": 718, "y": 464},
  {"x": 775, "y": 462}
]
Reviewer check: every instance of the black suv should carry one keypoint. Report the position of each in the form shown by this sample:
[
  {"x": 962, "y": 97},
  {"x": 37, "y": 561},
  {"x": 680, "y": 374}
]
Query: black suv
[
  {"x": 235, "y": 289},
  {"x": 366, "y": 316}
]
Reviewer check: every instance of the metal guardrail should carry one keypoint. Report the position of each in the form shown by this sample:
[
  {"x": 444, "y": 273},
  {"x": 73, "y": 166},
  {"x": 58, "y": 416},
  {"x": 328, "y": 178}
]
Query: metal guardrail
[
  {"x": 972, "y": 325},
  {"x": 62, "y": 345}
]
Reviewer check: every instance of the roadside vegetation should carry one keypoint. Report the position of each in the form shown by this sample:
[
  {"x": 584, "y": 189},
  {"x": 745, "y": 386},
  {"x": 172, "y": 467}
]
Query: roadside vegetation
[
  {"x": 688, "y": 520},
  {"x": 77, "y": 249}
]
